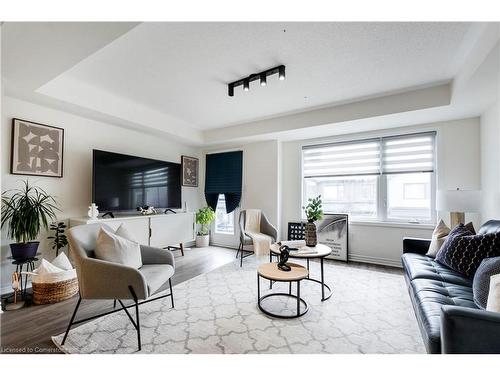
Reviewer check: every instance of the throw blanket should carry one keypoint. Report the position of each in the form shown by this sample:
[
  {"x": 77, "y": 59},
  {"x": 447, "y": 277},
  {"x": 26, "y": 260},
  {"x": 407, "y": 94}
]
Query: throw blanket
[{"x": 261, "y": 241}]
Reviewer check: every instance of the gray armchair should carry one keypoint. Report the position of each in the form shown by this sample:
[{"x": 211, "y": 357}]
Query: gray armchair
[
  {"x": 100, "y": 279},
  {"x": 265, "y": 227}
]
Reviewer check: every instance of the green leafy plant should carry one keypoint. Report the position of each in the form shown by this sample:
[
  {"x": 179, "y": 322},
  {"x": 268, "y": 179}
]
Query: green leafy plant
[
  {"x": 26, "y": 211},
  {"x": 204, "y": 216},
  {"x": 314, "y": 209},
  {"x": 59, "y": 239}
]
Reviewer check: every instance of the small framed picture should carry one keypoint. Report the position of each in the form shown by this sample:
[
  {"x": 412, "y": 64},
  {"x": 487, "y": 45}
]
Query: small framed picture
[
  {"x": 189, "y": 168},
  {"x": 37, "y": 149}
]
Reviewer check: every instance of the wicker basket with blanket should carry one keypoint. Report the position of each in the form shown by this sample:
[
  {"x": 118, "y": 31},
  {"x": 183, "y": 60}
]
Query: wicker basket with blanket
[{"x": 54, "y": 282}]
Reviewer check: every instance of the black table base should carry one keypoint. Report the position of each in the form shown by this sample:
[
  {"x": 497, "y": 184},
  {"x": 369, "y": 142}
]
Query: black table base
[
  {"x": 300, "y": 301},
  {"x": 326, "y": 291}
]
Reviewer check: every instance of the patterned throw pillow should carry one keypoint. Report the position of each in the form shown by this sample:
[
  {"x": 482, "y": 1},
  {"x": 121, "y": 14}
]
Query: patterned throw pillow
[
  {"x": 481, "y": 282},
  {"x": 464, "y": 252}
]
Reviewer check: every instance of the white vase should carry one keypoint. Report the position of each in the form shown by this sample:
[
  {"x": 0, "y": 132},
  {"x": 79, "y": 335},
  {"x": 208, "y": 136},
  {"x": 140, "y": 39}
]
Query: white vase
[{"x": 202, "y": 241}]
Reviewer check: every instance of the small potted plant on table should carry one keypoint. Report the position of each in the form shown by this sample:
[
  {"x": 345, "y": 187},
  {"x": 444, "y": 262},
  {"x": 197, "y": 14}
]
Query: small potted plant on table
[
  {"x": 314, "y": 212},
  {"x": 204, "y": 216},
  {"x": 25, "y": 212}
]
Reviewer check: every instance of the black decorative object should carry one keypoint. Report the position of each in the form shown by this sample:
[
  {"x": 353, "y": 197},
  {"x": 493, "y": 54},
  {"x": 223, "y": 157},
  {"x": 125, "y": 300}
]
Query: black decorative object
[
  {"x": 284, "y": 253},
  {"x": 223, "y": 176},
  {"x": 262, "y": 76}
]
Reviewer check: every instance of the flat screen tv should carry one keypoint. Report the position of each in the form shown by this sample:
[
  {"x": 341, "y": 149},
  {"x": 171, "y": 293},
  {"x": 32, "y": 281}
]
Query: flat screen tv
[{"x": 124, "y": 182}]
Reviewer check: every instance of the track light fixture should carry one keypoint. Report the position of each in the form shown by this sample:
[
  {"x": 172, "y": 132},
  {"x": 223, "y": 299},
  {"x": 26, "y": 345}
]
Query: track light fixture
[{"x": 262, "y": 76}]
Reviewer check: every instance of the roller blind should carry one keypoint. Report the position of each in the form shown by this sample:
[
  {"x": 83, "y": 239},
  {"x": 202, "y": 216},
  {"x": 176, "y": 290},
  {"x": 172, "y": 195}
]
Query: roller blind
[
  {"x": 223, "y": 175},
  {"x": 341, "y": 159},
  {"x": 386, "y": 155},
  {"x": 410, "y": 153}
]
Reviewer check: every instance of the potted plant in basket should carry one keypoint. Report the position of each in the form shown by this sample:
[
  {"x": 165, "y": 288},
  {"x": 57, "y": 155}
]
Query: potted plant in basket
[
  {"x": 25, "y": 212},
  {"x": 314, "y": 212},
  {"x": 204, "y": 216}
]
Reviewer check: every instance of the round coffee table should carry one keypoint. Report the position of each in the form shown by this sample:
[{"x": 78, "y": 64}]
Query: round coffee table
[
  {"x": 270, "y": 271},
  {"x": 317, "y": 252}
]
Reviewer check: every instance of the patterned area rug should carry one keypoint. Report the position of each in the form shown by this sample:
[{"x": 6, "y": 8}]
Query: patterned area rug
[{"x": 369, "y": 312}]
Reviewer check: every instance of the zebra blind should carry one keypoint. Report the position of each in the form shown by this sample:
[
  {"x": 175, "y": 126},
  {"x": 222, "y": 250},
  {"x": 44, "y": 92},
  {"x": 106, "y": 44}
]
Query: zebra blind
[
  {"x": 409, "y": 153},
  {"x": 406, "y": 154}
]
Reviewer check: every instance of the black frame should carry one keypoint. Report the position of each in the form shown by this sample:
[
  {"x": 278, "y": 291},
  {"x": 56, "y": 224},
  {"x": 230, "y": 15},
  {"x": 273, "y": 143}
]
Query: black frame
[
  {"x": 14, "y": 119},
  {"x": 136, "y": 304}
]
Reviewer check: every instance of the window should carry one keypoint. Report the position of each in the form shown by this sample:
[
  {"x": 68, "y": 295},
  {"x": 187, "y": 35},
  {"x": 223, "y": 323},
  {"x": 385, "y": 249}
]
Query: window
[
  {"x": 387, "y": 179},
  {"x": 224, "y": 222}
]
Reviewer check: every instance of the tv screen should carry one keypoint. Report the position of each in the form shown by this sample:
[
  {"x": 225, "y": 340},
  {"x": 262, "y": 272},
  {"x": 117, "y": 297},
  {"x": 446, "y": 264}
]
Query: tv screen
[{"x": 124, "y": 182}]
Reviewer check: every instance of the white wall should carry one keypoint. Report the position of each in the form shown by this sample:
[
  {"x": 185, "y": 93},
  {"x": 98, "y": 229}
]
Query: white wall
[
  {"x": 490, "y": 163},
  {"x": 81, "y": 135},
  {"x": 458, "y": 165}
]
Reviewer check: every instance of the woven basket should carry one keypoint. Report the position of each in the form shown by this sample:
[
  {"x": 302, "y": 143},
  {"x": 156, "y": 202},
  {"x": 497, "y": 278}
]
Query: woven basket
[{"x": 45, "y": 293}]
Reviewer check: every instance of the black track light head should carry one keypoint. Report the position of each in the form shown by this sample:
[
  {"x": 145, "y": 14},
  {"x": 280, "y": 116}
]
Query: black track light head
[
  {"x": 246, "y": 85},
  {"x": 281, "y": 72},
  {"x": 263, "y": 79},
  {"x": 230, "y": 90}
]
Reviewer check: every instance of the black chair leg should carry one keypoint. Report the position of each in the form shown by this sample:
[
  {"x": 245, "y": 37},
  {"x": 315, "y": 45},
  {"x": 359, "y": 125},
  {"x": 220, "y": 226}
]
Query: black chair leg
[
  {"x": 171, "y": 293},
  {"x": 114, "y": 304},
  {"x": 137, "y": 324},
  {"x": 241, "y": 255},
  {"x": 238, "y": 252},
  {"x": 72, "y": 319}
]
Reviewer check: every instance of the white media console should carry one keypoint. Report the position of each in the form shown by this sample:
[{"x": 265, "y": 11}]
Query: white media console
[{"x": 161, "y": 230}]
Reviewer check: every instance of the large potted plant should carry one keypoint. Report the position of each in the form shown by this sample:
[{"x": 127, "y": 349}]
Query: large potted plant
[
  {"x": 204, "y": 216},
  {"x": 314, "y": 212},
  {"x": 25, "y": 212}
]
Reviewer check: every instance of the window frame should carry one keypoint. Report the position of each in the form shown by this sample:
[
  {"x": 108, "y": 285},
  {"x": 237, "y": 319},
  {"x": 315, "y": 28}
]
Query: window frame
[{"x": 382, "y": 188}]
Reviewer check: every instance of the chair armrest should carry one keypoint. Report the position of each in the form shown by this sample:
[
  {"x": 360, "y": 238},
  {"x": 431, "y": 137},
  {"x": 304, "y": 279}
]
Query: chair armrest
[
  {"x": 267, "y": 228},
  {"x": 416, "y": 245},
  {"x": 155, "y": 255},
  {"x": 99, "y": 279},
  {"x": 465, "y": 330}
]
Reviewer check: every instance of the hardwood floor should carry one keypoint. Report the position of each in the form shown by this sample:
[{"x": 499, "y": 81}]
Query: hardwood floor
[{"x": 29, "y": 330}]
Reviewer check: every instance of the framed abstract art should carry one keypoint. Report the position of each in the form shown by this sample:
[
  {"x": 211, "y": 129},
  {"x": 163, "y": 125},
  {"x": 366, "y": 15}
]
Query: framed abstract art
[
  {"x": 37, "y": 149},
  {"x": 189, "y": 168}
]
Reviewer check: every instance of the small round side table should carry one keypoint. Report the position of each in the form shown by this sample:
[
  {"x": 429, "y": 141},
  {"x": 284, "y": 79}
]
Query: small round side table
[{"x": 270, "y": 271}]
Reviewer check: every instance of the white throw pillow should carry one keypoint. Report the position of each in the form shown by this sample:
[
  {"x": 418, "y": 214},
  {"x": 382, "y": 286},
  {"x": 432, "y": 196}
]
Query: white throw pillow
[
  {"x": 62, "y": 262},
  {"x": 438, "y": 237},
  {"x": 116, "y": 249},
  {"x": 122, "y": 231},
  {"x": 494, "y": 294}
]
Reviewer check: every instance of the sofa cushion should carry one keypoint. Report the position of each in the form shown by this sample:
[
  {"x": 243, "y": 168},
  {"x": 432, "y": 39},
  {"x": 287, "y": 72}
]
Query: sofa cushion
[
  {"x": 419, "y": 266},
  {"x": 428, "y": 296},
  {"x": 464, "y": 252},
  {"x": 156, "y": 275},
  {"x": 481, "y": 282}
]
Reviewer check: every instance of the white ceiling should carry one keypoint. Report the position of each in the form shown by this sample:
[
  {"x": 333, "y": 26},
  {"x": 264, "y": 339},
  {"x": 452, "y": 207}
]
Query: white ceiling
[
  {"x": 173, "y": 77},
  {"x": 182, "y": 69}
]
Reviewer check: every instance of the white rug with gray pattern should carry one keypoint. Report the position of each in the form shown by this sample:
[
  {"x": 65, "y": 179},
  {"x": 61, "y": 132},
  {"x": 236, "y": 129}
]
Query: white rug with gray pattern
[{"x": 369, "y": 312}]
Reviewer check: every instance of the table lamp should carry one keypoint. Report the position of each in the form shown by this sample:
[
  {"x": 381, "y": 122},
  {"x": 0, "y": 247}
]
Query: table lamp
[{"x": 457, "y": 202}]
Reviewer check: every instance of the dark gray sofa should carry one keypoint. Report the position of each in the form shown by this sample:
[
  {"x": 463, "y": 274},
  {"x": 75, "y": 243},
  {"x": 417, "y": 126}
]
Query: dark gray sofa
[{"x": 449, "y": 320}]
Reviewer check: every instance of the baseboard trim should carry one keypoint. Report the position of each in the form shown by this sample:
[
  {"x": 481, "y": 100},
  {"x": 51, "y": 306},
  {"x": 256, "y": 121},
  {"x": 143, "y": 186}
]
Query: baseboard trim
[{"x": 375, "y": 260}]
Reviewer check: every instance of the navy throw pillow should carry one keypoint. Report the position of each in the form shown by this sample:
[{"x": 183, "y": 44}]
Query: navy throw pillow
[
  {"x": 481, "y": 282},
  {"x": 463, "y": 252}
]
